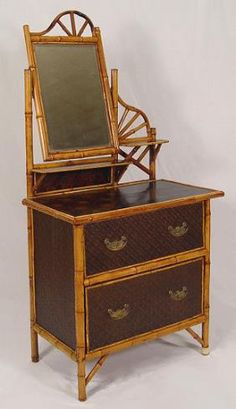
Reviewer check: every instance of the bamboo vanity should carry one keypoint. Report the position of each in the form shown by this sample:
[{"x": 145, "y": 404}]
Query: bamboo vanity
[{"x": 111, "y": 264}]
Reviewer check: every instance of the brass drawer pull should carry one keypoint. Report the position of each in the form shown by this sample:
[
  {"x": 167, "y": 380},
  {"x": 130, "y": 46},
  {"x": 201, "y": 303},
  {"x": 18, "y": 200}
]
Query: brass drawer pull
[
  {"x": 178, "y": 231},
  {"x": 179, "y": 295},
  {"x": 116, "y": 245},
  {"x": 120, "y": 313}
]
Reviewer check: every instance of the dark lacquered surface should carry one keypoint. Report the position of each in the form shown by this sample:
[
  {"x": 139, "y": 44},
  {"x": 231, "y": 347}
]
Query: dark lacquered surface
[{"x": 86, "y": 203}]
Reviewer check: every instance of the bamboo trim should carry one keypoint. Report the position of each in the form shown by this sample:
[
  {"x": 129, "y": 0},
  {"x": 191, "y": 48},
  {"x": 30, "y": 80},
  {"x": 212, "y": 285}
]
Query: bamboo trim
[
  {"x": 96, "y": 368},
  {"x": 62, "y": 39},
  {"x": 79, "y": 265},
  {"x": 57, "y": 20},
  {"x": 145, "y": 266},
  {"x": 48, "y": 210},
  {"x": 144, "y": 273},
  {"x": 143, "y": 142},
  {"x": 145, "y": 337},
  {"x": 29, "y": 49},
  {"x": 76, "y": 154},
  {"x": 40, "y": 114},
  {"x": 34, "y": 337},
  {"x": 78, "y": 189},
  {"x": 50, "y": 165},
  {"x": 195, "y": 335},
  {"x": 79, "y": 167},
  {"x": 55, "y": 342},
  {"x": 28, "y": 131}
]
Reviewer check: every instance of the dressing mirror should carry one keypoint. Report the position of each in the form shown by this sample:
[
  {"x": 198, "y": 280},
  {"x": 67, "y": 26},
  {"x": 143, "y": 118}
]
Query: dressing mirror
[{"x": 72, "y": 95}]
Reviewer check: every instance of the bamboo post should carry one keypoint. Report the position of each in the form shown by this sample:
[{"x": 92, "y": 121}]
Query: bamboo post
[
  {"x": 80, "y": 309},
  {"x": 205, "y": 325},
  {"x": 152, "y": 157},
  {"x": 34, "y": 335},
  {"x": 28, "y": 131}
]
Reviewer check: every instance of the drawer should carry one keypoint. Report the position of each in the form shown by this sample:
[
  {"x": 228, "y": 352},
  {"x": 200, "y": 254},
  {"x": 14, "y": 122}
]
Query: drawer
[
  {"x": 123, "y": 309},
  {"x": 135, "y": 239}
]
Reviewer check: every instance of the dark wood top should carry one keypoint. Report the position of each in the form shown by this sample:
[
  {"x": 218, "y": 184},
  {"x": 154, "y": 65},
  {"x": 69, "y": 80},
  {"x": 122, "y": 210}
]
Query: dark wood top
[{"x": 121, "y": 200}]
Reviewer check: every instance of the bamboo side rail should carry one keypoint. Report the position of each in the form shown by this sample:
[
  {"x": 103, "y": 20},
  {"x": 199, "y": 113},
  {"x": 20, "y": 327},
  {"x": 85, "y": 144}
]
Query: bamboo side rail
[{"x": 79, "y": 253}]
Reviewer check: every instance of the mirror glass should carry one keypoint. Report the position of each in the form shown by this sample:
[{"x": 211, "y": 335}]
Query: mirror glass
[{"x": 72, "y": 96}]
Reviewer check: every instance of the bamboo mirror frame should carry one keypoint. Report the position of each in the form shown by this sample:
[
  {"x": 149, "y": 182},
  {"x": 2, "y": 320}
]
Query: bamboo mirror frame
[{"x": 38, "y": 44}]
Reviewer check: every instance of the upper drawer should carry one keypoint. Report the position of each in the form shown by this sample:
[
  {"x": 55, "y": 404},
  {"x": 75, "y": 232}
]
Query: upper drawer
[{"x": 135, "y": 239}]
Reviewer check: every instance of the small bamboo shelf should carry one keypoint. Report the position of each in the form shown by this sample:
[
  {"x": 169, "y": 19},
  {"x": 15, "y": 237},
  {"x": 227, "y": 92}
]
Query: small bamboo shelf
[{"x": 79, "y": 167}]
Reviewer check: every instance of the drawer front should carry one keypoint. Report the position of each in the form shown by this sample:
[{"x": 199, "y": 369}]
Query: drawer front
[
  {"x": 126, "y": 308},
  {"x": 135, "y": 239}
]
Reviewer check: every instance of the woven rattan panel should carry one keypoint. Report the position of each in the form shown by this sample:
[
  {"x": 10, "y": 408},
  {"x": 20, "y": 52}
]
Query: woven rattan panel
[
  {"x": 147, "y": 301},
  {"x": 54, "y": 277},
  {"x": 148, "y": 237}
]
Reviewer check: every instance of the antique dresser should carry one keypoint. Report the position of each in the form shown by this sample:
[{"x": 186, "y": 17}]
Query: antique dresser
[{"x": 111, "y": 264}]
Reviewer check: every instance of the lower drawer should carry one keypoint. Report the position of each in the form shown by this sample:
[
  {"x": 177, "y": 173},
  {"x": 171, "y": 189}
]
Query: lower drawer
[{"x": 123, "y": 309}]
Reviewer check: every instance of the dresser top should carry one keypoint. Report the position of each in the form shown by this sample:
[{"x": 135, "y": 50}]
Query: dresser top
[{"x": 127, "y": 199}]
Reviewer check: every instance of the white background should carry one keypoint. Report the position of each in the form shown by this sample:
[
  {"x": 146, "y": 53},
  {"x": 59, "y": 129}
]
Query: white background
[{"x": 177, "y": 61}]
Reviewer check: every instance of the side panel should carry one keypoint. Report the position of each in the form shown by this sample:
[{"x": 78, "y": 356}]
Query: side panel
[{"x": 54, "y": 277}]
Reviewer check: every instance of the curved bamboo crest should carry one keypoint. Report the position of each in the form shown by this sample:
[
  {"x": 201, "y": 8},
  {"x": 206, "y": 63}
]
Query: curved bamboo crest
[
  {"x": 73, "y": 26},
  {"x": 132, "y": 120}
]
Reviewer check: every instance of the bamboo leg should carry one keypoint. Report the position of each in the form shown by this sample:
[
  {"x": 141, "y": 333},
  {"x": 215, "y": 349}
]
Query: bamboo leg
[
  {"x": 80, "y": 309},
  {"x": 81, "y": 381},
  {"x": 205, "y": 325},
  {"x": 34, "y": 335}
]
